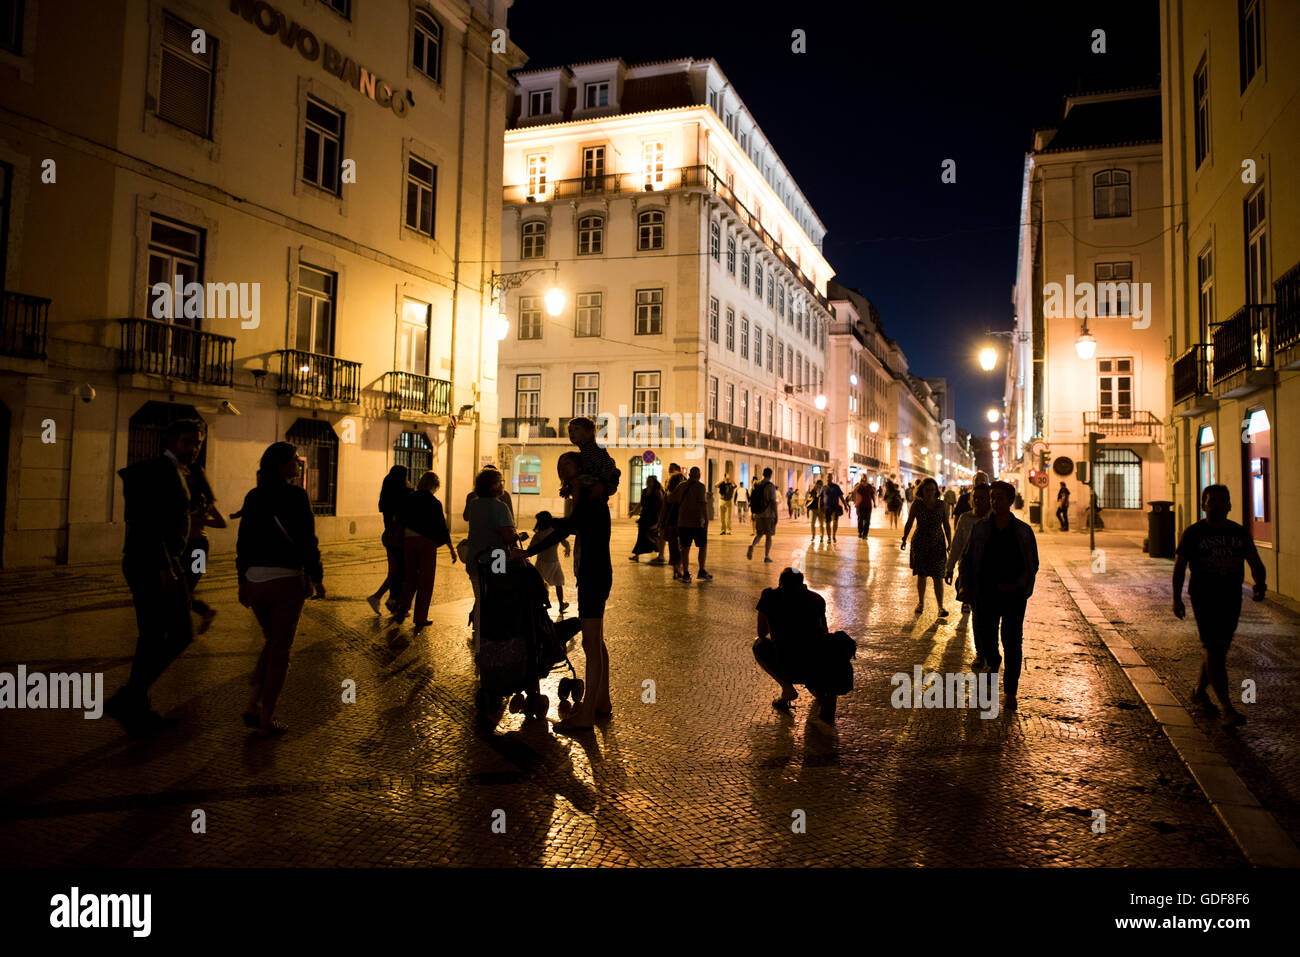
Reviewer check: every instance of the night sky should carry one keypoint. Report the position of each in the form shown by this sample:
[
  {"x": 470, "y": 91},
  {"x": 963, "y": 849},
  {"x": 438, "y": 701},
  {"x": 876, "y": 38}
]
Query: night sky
[{"x": 865, "y": 118}]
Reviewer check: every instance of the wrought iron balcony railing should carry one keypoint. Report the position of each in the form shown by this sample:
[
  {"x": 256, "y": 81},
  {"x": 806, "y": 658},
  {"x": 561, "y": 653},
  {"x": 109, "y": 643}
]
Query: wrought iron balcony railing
[
  {"x": 1244, "y": 342},
  {"x": 153, "y": 347},
  {"x": 320, "y": 377},
  {"x": 1192, "y": 373},
  {"x": 1125, "y": 422},
  {"x": 538, "y": 427},
  {"x": 1286, "y": 294},
  {"x": 23, "y": 324},
  {"x": 409, "y": 392}
]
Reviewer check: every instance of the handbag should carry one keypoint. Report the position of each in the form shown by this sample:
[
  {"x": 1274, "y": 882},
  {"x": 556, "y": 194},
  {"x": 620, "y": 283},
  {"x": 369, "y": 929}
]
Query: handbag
[{"x": 304, "y": 579}]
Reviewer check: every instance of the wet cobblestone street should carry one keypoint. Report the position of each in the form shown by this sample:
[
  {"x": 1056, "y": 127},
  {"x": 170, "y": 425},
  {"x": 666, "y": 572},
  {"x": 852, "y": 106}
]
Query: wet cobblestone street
[{"x": 709, "y": 774}]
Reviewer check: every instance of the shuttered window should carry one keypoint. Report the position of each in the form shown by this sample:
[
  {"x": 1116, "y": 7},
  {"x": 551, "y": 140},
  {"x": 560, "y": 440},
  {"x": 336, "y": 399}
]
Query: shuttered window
[{"x": 186, "y": 83}]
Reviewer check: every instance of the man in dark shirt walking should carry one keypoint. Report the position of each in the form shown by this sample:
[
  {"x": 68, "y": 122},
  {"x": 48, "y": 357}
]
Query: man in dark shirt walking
[
  {"x": 693, "y": 524},
  {"x": 158, "y": 501},
  {"x": 726, "y": 492},
  {"x": 1216, "y": 550},
  {"x": 997, "y": 573}
]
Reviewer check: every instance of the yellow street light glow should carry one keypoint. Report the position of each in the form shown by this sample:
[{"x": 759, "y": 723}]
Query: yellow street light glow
[
  {"x": 988, "y": 358},
  {"x": 853, "y": 378},
  {"x": 924, "y": 450},
  {"x": 554, "y": 302},
  {"x": 906, "y": 441},
  {"x": 503, "y": 327},
  {"x": 820, "y": 402},
  {"x": 874, "y": 427},
  {"x": 995, "y": 435},
  {"x": 993, "y": 415}
]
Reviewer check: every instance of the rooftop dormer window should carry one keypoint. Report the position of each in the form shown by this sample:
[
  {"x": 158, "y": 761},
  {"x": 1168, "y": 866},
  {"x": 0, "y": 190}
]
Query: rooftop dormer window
[
  {"x": 595, "y": 95},
  {"x": 540, "y": 102}
]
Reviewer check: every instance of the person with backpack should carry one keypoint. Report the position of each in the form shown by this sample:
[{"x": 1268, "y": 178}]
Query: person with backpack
[
  {"x": 765, "y": 515},
  {"x": 832, "y": 503},
  {"x": 726, "y": 492}
]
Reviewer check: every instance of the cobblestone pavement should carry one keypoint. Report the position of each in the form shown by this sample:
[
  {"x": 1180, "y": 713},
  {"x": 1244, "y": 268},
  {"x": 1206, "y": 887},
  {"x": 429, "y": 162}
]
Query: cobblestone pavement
[
  {"x": 1135, "y": 593},
  {"x": 709, "y": 774}
]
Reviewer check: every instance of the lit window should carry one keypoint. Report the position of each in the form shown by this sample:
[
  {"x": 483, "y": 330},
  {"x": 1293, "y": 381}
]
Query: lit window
[{"x": 537, "y": 163}]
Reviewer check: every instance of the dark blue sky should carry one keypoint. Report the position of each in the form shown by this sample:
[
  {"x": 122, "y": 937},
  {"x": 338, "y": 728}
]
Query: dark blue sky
[{"x": 865, "y": 118}]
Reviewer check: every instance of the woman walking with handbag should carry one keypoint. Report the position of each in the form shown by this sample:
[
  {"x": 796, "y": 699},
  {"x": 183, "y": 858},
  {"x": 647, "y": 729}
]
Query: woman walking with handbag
[
  {"x": 279, "y": 567},
  {"x": 425, "y": 531}
]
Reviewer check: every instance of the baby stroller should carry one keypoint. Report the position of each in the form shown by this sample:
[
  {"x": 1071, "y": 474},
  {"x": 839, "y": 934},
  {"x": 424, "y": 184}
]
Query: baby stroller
[{"x": 518, "y": 643}]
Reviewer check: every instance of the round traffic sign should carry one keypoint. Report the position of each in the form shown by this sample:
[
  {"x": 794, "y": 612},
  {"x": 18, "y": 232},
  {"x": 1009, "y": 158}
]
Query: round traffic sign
[{"x": 647, "y": 456}]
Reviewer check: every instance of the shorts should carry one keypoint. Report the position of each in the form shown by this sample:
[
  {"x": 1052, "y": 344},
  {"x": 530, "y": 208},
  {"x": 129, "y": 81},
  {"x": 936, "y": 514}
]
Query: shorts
[
  {"x": 593, "y": 592},
  {"x": 1216, "y": 619},
  {"x": 764, "y": 525},
  {"x": 691, "y": 536}
]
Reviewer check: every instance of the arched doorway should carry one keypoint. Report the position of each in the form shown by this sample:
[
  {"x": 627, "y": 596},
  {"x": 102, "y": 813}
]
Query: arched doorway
[{"x": 145, "y": 430}]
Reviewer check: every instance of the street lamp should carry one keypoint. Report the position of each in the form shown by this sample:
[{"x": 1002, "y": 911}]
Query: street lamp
[
  {"x": 500, "y": 282},
  {"x": 554, "y": 302},
  {"x": 873, "y": 427},
  {"x": 906, "y": 442},
  {"x": 820, "y": 402},
  {"x": 995, "y": 435},
  {"x": 993, "y": 415},
  {"x": 988, "y": 358},
  {"x": 1085, "y": 345}
]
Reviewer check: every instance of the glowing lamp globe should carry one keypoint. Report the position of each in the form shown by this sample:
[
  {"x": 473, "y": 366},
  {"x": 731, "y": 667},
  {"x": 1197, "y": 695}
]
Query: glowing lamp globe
[
  {"x": 988, "y": 358},
  {"x": 554, "y": 302}
]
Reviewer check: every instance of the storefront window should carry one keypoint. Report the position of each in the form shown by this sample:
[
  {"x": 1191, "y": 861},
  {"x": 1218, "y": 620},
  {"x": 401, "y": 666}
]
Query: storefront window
[{"x": 1256, "y": 463}]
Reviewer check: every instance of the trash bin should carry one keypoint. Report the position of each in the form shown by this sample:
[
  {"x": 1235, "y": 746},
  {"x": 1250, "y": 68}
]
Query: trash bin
[
  {"x": 1035, "y": 513},
  {"x": 1160, "y": 530}
]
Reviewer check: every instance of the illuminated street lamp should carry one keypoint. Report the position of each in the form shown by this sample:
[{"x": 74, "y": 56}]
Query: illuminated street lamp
[
  {"x": 988, "y": 358},
  {"x": 501, "y": 282},
  {"x": 873, "y": 427},
  {"x": 554, "y": 302},
  {"x": 993, "y": 415},
  {"x": 1085, "y": 345},
  {"x": 820, "y": 402},
  {"x": 995, "y": 435},
  {"x": 924, "y": 450},
  {"x": 906, "y": 441}
]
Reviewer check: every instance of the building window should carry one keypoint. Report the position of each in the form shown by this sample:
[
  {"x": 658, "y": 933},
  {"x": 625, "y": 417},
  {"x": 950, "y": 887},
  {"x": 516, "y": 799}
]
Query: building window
[
  {"x": 744, "y": 337},
  {"x": 532, "y": 240},
  {"x": 1257, "y": 285},
  {"x": 713, "y": 397},
  {"x": 1206, "y": 464},
  {"x": 780, "y": 363},
  {"x": 798, "y": 321},
  {"x": 758, "y": 413},
  {"x": 744, "y": 408},
  {"x": 758, "y": 279},
  {"x": 744, "y": 268},
  {"x": 528, "y": 396},
  {"x": 593, "y": 169},
  {"x": 323, "y": 146},
  {"x": 186, "y": 78},
  {"x": 731, "y": 403},
  {"x": 650, "y": 230},
  {"x": 1115, "y": 388},
  {"x": 596, "y": 95},
  {"x": 758, "y": 345},
  {"x": 771, "y": 290},
  {"x": 315, "y": 300},
  {"x": 413, "y": 337},
  {"x": 731, "y": 254},
  {"x": 318, "y": 451},
  {"x": 1118, "y": 478},
  {"x": 1201, "y": 97},
  {"x": 1256, "y": 460},
  {"x": 769, "y": 353},
  {"x": 11, "y": 26},
  {"x": 342, "y": 7},
  {"x": 421, "y": 186},
  {"x": 713, "y": 319},
  {"x": 413, "y": 450},
  {"x": 780, "y": 300},
  {"x": 1205, "y": 279},
  {"x": 649, "y": 312},
  {"x": 588, "y": 321},
  {"x": 530, "y": 317},
  {"x": 591, "y": 235},
  {"x": 539, "y": 102},
  {"x": 536, "y": 163},
  {"x": 715, "y": 241},
  {"x": 1110, "y": 194},
  {"x": 175, "y": 249},
  {"x": 731, "y": 329},
  {"x": 645, "y": 393},
  {"x": 652, "y": 164},
  {"x": 1111, "y": 286},
  {"x": 789, "y": 362},
  {"x": 427, "y": 53},
  {"x": 586, "y": 394},
  {"x": 1250, "y": 39}
]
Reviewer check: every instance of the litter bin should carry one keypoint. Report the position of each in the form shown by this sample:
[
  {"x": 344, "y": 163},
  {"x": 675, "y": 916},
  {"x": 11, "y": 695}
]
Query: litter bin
[
  {"x": 1160, "y": 530},
  {"x": 1035, "y": 513}
]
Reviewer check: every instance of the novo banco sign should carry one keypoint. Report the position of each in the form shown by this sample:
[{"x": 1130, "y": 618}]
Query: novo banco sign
[{"x": 292, "y": 34}]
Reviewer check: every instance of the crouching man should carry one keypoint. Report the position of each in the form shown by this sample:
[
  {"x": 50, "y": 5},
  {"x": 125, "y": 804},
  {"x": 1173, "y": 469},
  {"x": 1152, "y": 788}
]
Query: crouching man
[{"x": 795, "y": 646}]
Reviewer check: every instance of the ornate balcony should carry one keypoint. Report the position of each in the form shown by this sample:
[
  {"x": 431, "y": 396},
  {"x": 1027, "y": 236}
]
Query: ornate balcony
[
  {"x": 409, "y": 392},
  {"x": 1192, "y": 380},
  {"x": 317, "y": 376},
  {"x": 538, "y": 427},
  {"x": 1286, "y": 293},
  {"x": 1126, "y": 424},
  {"x": 23, "y": 324},
  {"x": 173, "y": 351},
  {"x": 1243, "y": 351}
]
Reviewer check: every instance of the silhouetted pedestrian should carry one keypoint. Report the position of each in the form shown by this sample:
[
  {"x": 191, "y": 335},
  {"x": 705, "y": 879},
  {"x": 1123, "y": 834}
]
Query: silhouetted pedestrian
[
  {"x": 1216, "y": 550},
  {"x": 1063, "y": 507},
  {"x": 648, "y": 540},
  {"x": 832, "y": 506},
  {"x": 203, "y": 515},
  {"x": 393, "y": 494},
  {"x": 930, "y": 544},
  {"x": 548, "y": 559},
  {"x": 864, "y": 500},
  {"x": 693, "y": 524},
  {"x": 961, "y": 536},
  {"x": 279, "y": 567},
  {"x": 726, "y": 492},
  {"x": 668, "y": 527},
  {"x": 424, "y": 531},
  {"x": 765, "y": 515}
]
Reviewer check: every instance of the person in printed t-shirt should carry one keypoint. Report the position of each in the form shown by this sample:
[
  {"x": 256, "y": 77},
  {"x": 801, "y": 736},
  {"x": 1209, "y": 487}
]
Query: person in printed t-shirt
[{"x": 1216, "y": 550}]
